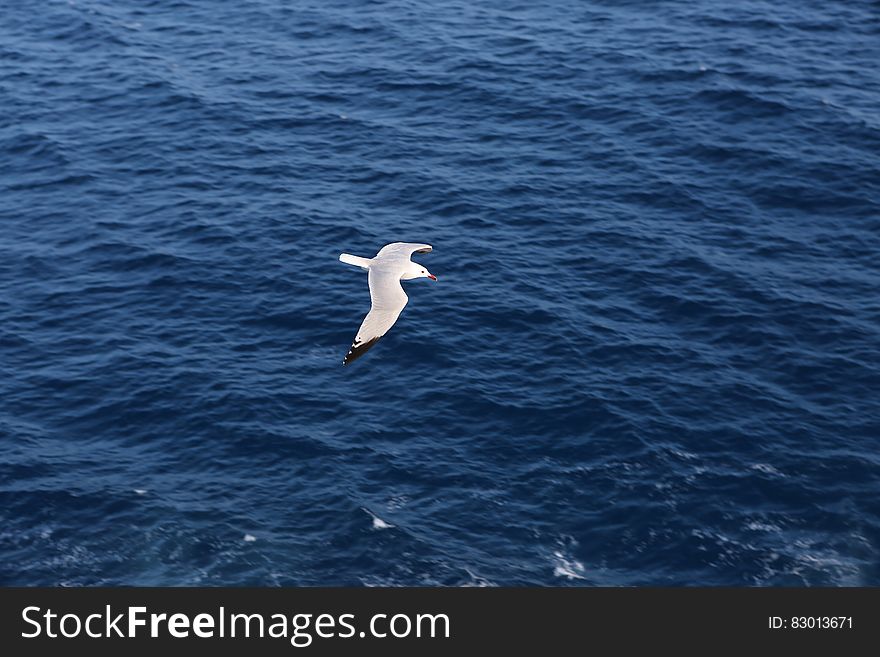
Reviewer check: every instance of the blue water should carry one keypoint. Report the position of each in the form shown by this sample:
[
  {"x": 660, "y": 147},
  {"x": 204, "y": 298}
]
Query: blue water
[{"x": 652, "y": 356}]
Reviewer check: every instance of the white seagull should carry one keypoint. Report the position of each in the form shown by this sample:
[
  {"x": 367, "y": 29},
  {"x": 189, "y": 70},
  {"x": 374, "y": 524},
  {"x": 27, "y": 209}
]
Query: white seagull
[{"x": 390, "y": 266}]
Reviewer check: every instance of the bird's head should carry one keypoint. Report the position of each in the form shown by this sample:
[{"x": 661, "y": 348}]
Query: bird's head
[{"x": 415, "y": 270}]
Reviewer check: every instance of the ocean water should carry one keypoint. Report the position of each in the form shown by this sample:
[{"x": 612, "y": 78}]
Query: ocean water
[{"x": 652, "y": 356}]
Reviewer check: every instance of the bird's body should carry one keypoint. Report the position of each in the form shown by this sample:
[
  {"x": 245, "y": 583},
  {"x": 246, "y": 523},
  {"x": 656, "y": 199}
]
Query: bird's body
[{"x": 385, "y": 271}]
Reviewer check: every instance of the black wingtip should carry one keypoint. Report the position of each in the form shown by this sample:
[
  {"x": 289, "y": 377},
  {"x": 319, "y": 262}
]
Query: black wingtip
[{"x": 358, "y": 349}]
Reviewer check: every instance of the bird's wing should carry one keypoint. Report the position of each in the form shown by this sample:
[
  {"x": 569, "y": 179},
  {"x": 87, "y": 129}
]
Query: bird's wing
[
  {"x": 389, "y": 300},
  {"x": 403, "y": 249}
]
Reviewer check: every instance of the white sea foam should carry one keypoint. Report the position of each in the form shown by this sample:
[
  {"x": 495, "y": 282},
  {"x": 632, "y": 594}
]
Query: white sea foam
[
  {"x": 476, "y": 580},
  {"x": 567, "y": 567},
  {"x": 766, "y": 468},
  {"x": 378, "y": 523}
]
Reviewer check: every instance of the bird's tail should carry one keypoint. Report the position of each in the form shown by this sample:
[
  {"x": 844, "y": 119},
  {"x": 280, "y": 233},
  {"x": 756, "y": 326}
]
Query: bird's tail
[{"x": 355, "y": 260}]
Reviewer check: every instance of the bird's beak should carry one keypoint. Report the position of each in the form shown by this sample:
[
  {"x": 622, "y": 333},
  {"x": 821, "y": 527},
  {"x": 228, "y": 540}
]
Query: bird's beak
[{"x": 432, "y": 277}]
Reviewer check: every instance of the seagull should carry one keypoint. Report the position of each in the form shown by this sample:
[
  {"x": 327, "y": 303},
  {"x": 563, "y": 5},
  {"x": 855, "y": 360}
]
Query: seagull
[{"x": 390, "y": 266}]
